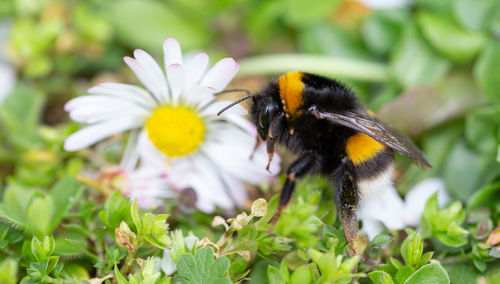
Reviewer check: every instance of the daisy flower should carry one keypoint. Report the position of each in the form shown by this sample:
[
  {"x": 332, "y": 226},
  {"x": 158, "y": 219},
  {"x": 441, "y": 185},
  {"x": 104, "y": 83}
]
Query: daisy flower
[
  {"x": 174, "y": 120},
  {"x": 387, "y": 208},
  {"x": 147, "y": 185}
]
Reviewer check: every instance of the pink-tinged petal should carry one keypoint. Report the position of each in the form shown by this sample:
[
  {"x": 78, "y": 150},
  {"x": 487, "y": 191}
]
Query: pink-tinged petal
[
  {"x": 154, "y": 70},
  {"x": 194, "y": 69},
  {"x": 156, "y": 88},
  {"x": 221, "y": 74},
  {"x": 175, "y": 79},
  {"x": 172, "y": 52},
  {"x": 417, "y": 197},
  {"x": 213, "y": 108},
  {"x": 94, "y": 133}
]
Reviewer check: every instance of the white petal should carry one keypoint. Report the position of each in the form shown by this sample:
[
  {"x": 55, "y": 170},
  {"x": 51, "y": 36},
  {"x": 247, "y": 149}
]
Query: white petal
[
  {"x": 172, "y": 52},
  {"x": 191, "y": 242},
  {"x": 124, "y": 91},
  {"x": 148, "y": 152},
  {"x": 94, "y": 133},
  {"x": 416, "y": 198},
  {"x": 198, "y": 96},
  {"x": 194, "y": 69},
  {"x": 175, "y": 79},
  {"x": 221, "y": 74},
  {"x": 240, "y": 122},
  {"x": 371, "y": 228},
  {"x": 384, "y": 206},
  {"x": 167, "y": 263},
  {"x": 213, "y": 108},
  {"x": 8, "y": 75},
  {"x": 235, "y": 189},
  {"x": 130, "y": 156},
  {"x": 231, "y": 150},
  {"x": 94, "y": 108},
  {"x": 207, "y": 182},
  {"x": 146, "y": 70}
]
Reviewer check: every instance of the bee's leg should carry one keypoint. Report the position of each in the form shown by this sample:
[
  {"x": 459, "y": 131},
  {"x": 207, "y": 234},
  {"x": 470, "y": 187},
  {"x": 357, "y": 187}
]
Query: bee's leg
[
  {"x": 299, "y": 168},
  {"x": 255, "y": 147},
  {"x": 270, "y": 152},
  {"x": 347, "y": 201}
]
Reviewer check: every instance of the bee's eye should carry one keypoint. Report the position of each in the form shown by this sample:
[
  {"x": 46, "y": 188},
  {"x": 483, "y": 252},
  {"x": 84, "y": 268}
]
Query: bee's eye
[
  {"x": 265, "y": 118},
  {"x": 263, "y": 126}
]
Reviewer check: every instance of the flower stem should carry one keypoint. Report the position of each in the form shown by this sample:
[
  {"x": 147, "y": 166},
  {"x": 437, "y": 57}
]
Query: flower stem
[{"x": 330, "y": 66}]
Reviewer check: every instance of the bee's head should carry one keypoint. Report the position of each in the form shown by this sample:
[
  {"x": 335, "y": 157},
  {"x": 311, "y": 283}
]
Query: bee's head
[{"x": 264, "y": 110}]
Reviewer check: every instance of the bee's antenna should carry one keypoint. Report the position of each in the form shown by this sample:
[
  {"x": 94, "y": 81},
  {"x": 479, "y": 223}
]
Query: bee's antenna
[
  {"x": 235, "y": 103},
  {"x": 233, "y": 91}
]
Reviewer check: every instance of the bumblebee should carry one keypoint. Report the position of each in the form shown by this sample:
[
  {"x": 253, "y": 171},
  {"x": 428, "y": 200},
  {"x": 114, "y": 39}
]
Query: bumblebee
[{"x": 321, "y": 121}]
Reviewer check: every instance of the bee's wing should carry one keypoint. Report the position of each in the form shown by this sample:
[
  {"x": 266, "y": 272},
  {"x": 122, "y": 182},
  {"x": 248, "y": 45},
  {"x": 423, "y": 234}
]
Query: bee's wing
[{"x": 379, "y": 131}]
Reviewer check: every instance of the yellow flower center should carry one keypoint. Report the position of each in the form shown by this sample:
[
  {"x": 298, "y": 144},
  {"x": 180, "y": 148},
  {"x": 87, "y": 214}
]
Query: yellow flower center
[{"x": 176, "y": 131}]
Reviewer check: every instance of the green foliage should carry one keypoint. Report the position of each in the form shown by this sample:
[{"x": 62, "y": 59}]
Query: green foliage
[
  {"x": 36, "y": 211},
  {"x": 417, "y": 268},
  {"x": 202, "y": 268},
  {"x": 444, "y": 224},
  {"x": 432, "y": 69}
]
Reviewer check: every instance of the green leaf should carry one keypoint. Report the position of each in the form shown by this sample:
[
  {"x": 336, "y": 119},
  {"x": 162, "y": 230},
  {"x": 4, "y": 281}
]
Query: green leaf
[
  {"x": 201, "y": 268},
  {"x": 412, "y": 249},
  {"x": 9, "y": 271},
  {"x": 380, "y": 277},
  {"x": 381, "y": 30},
  {"x": 427, "y": 67},
  {"x": 274, "y": 276},
  {"x": 13, "y": 206},
  {"x": 481, "y": 127},
  {"x": 20, "y": 112},
  {"x": 403, "y": 274},
  {"x": 117, "y": 209},
  {"x": 449, "y": 38},
  {"x": 136, "y": 217},
  {"x": 379, "y": 240},
  {"x": 430, "y": 273},
  {"x": 475, "y": 15},
  {"x": 39, "y": 214},
  {"x": 442, "y": 5},
  {"x": 331, "y": 40},
  {"x": 64, "y": 194},
  {"x": 425, "y": 259},
  {"x": 462, "y": 171},
  {"x": 452, "y": 241},
  {"x": 309, "y": 13},
  {"x": 119, "y": 276},
  {"x": 486, "y": 71},
  {"x": 462, "y": 273},
  {"x": 301, "y": 275}
]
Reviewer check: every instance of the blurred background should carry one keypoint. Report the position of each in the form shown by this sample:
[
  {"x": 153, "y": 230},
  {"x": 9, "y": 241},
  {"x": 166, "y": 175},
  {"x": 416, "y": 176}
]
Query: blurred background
[{"x": 429, "y": 68}]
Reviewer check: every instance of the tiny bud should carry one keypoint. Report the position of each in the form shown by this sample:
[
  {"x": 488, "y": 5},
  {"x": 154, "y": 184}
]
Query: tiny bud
[{"x": 259, "y": 207}]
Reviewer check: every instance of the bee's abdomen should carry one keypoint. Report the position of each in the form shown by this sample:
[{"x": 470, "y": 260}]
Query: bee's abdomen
[{"x": 373, "y": 163}]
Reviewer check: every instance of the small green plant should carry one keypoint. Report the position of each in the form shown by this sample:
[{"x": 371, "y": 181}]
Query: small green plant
[{"x": 416, "y": 267}]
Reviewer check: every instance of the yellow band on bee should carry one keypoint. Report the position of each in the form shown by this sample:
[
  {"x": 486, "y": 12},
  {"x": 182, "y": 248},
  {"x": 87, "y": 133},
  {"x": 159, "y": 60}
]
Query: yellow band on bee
[
  {"x": 291, "y": 87},
  {"x": 361, "y": 148}
]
